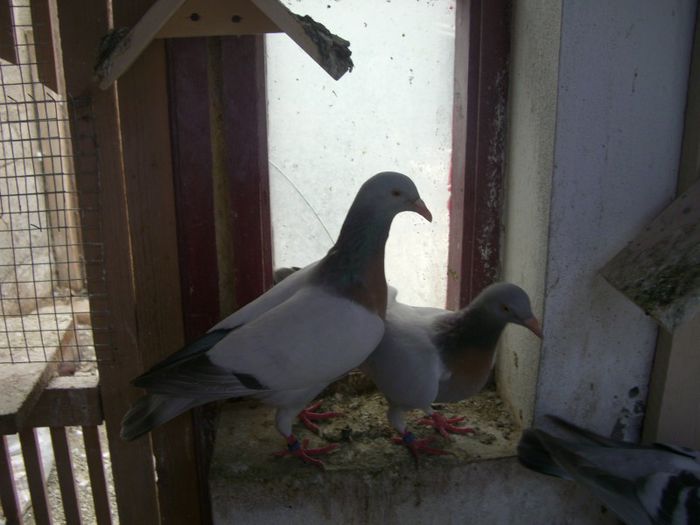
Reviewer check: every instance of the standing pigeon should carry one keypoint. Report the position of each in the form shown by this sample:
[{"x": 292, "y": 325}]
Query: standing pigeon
[
  {"x": 432, "y": 355},
  {"x": 292, "y": 341},
  {"x": 643, "y": 485}
]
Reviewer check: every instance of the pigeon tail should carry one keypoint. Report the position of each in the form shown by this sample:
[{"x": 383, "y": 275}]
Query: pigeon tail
[
  {"x": 533, "y": 455},
  {"x": 152, "y": 410}
]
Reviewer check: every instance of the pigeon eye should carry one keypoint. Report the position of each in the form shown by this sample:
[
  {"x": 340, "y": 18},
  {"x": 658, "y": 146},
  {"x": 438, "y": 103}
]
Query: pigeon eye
[
  {"x": 395, "y": 193},
  {"x": 505, "y": 308}
]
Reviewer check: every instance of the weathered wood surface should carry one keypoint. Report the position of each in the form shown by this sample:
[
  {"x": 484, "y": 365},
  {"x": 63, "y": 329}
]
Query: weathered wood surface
[{"x": 659, "y": 270}]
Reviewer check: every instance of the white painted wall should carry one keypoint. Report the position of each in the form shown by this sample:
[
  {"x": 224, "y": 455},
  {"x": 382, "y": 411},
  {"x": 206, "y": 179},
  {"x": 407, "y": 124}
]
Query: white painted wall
[
  {"x": 391, "y": 113},
  {"x": 614, "y": 143}
]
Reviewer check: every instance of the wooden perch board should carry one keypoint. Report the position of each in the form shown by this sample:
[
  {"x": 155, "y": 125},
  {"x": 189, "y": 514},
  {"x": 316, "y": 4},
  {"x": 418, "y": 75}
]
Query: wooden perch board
[
  {"x": 660, "y": 269},
  {"x": 187, "y": 18}
]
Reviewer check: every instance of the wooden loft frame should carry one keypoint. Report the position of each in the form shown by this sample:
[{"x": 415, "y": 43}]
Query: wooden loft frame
[
  {"x": 144, "y": 177},
  {"x": 482, "y": 43}
]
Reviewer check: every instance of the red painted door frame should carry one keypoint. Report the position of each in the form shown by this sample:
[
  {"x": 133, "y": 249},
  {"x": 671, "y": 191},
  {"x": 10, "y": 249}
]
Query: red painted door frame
[
  {"x": 482, "y": 42},
  {"x": 220, "y": 168}
]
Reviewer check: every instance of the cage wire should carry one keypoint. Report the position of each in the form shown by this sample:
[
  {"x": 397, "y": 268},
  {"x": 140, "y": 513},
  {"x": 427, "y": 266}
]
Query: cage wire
[{"x": 50, "y": 238}]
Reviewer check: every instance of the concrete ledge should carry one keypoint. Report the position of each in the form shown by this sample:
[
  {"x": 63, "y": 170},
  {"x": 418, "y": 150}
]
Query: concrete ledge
[{"x": 369, "y": 480}]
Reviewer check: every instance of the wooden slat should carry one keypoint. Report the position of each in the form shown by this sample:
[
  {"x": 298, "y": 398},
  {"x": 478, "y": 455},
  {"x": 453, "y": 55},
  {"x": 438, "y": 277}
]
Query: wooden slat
[
  {"x": 197, "y": 249},
  {"x": 46, "y": 45},
  {"x": 244, "y": 138},
  {"x": 8, "y": 51},
  {"x": 64, "y": 472},
  {"x": 8, "y": 491},
  {"x": 192, "y": 174},
  {"x": 98, "y": 483},
  {"x": 35, "y": 476},
  {"x": 147, "y": 157},
  {"x": 481, "y": 80},
  {"x": 134, "y": 480}
]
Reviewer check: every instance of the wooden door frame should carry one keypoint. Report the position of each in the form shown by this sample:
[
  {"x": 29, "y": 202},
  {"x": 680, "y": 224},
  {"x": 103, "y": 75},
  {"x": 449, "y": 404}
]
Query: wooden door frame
[{"x": 482, "y": 44}]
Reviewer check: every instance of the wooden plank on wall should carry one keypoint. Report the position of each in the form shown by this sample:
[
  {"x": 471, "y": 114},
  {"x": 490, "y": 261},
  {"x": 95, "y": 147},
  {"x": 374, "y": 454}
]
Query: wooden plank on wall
[
  {"x": 481, "y": 81},
  {"x": 194, "y": 193},
  {"x": 8, "y": 51},
  {"x": 64, "y": 472},
  {"x": 246, "y": 164},
  {"x": 222, "y": 198},
  {"x": 192, "y": 175},
  {"x": 94, "y": 122},
  {"x": 47, "y": 43},
  {"x": 147, "y": 157}
]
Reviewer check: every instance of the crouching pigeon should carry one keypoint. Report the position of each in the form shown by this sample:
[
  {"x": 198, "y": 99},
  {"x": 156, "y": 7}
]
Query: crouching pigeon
[
  {"x": 432, "y": 355},
  {"x": 286, "y": 346},
  {"x": 643, "y": 485}
]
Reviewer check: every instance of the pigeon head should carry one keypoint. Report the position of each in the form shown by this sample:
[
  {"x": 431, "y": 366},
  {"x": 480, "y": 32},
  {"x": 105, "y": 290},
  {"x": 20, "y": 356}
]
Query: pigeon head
[
  {"x": 391, "y": 193},
  {"x": 508, "y": 303}
]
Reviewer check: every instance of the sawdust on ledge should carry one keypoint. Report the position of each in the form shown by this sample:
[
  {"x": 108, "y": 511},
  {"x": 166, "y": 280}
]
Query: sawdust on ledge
[{"x": 246, "y": 436}]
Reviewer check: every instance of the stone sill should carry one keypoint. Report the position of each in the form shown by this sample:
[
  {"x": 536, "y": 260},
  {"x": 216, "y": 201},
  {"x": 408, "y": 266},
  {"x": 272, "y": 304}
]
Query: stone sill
[{"x": 370, "y": 480}]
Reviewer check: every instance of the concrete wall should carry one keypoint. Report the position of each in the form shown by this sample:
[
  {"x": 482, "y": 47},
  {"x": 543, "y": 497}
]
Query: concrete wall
[
  {"x": 595, "y": 148},
  {"x": 392, "y": 112}
]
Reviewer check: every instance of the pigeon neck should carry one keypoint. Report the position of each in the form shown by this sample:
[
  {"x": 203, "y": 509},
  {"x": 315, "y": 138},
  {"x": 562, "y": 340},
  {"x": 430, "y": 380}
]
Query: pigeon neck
[
  {"x": 470, "y": 328},
  {"x": 355, "y": 264}
]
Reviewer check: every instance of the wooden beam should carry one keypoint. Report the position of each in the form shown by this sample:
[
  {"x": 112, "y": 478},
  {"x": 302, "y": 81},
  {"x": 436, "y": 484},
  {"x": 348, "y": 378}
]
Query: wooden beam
[
  {"x": 47, "y": 44},
  {"x": 480, "y": 86},
  {"x": 94, "y": 121},
  {"x": 147, "y": 157},
  {"x": 217, "y": 17},
  {"x": 193, "y": 183},
  {"x": 8, "y": 50},
  {"x": 191, "y": 125},
  {"x": 143, "y": 31},
  {"x": 329, "y": 51},
  {"x": 244, "y": 126}
]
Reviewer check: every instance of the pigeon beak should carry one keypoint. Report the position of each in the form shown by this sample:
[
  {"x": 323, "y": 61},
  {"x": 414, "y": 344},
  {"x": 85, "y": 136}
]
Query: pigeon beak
[
  {"x": 420, "y": 208},
  {"x": 534, "y": 326}
]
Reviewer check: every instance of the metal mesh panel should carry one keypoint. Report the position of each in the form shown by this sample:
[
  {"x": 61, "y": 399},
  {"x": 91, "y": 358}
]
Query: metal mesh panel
[{"x": 49, "y": 230}]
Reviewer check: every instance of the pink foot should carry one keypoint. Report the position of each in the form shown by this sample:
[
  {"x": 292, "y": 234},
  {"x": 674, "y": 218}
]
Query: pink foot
[
  {"x": 418, "y": 446},
  {"x": 309, "y": 414},
  {"x": 300, "y": 450},
  {"x": 443, "y": 425}
]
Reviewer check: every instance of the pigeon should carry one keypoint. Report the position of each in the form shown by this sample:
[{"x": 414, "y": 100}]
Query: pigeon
[
  {"x": 430, "y": 355},
  {"x": 286, "y": 346},
  {"x": 643, "y": 485}
]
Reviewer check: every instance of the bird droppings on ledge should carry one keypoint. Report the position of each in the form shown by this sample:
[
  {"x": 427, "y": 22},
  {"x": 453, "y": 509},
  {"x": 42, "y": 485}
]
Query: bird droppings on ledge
[{"x": 246, "y": 438}]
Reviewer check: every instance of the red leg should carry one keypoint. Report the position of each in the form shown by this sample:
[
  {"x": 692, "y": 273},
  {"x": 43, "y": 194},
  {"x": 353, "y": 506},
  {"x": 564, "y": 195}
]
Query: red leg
[
  {"x": 443, "y": 425},
  {"x": 418, "y": 446},
  {"x": 300, "y": 450},
  {"x": 309, "y": 414}
]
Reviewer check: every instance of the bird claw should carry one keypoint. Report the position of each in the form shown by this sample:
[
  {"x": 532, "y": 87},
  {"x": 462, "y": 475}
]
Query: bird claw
[
  {"x": 300, "y": 450},
  {"x": 443, "y": 425},
  {"x": 309, "y": 414},
  {"x": 419, "y": 446}
]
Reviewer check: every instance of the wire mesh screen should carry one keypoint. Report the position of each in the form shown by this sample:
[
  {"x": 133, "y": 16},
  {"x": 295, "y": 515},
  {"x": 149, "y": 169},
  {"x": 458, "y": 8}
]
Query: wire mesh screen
[{"x": 49, "y": 232}]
